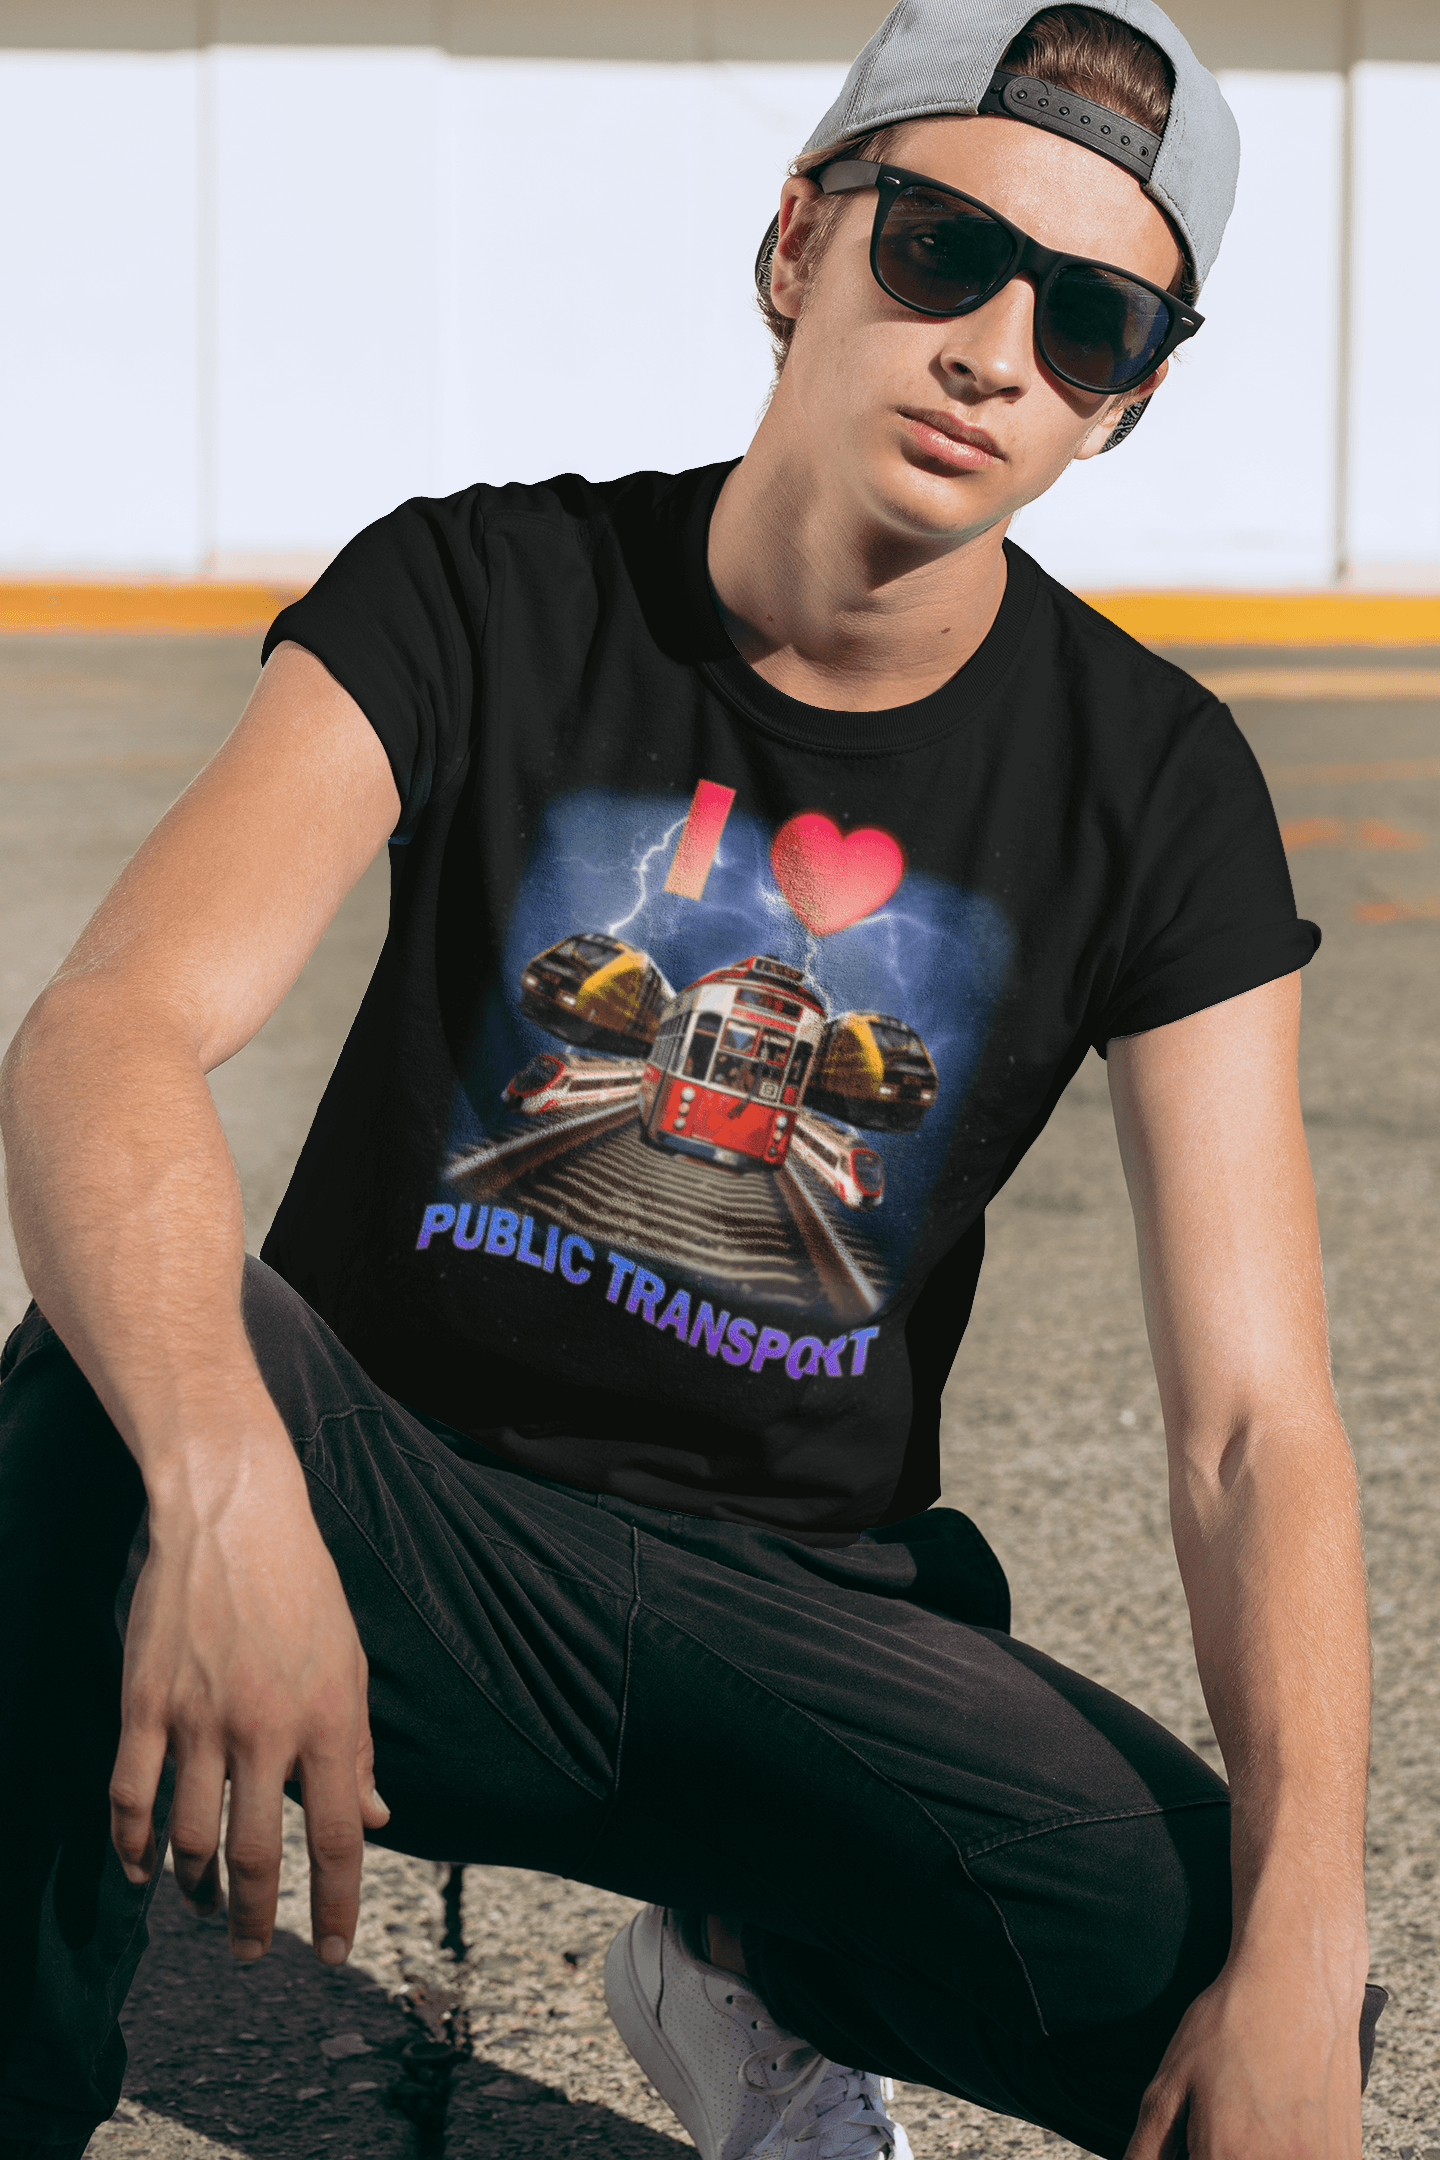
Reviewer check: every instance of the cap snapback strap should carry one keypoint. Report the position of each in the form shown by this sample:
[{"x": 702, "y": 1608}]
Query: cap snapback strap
[{"x": 1026, "y": 97}]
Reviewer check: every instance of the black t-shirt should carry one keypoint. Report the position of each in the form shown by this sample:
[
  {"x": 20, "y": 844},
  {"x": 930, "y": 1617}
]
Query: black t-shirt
[{"x": 709, "y": 1021}]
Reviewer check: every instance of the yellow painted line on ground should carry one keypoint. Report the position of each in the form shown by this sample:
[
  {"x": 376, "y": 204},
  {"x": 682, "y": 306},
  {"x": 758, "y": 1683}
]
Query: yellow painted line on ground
[
  {"x": 159, "y": 608},
  {"x": 1294, "y": 618},
  {"x": 158, "y": 605},
  {"x": 1382, "y": 685},
  {"x": 1414, "y": 768}
]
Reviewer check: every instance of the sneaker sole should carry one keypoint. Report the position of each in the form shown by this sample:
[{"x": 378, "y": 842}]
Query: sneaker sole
[{"x": 635, "y": 2021}]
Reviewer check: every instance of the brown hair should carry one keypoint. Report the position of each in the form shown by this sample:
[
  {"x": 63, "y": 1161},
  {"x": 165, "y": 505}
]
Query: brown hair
[
  {"x": 1076, "y": 48},
  {"x": 1100, "y": 58}
]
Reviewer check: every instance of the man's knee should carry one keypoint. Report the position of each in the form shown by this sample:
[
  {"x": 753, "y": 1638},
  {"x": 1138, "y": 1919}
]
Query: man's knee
[
  {"x": 1114, "y": 1927},
  {"x": 1119, "y": 1919}
]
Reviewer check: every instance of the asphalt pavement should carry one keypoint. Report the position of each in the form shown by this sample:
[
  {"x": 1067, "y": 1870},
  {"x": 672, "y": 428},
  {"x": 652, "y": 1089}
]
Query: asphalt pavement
[{"x": 1052, "y": 1436}]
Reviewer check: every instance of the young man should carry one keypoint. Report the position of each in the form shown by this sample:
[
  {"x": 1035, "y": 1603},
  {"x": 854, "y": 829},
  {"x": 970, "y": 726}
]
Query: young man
[{"x": 770, "y": 844}]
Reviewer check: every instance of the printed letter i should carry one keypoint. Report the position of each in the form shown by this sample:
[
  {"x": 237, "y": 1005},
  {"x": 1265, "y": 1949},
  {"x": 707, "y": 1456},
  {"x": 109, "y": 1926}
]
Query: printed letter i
[{"x": 690, "y": 865}]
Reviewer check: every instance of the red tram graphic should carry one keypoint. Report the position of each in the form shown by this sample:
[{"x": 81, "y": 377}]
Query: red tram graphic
[
  {"x": 741, "y": 1069},
  {"x": 730, "y": 1062}
]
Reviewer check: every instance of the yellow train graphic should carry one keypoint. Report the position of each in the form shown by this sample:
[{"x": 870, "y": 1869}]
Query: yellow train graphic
[
  {"x": 596, "y": 991},
  {"x": 872, "y": 1070}
]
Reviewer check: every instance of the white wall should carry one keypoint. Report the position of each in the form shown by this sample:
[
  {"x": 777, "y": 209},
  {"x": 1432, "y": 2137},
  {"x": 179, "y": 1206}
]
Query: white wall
[
  {"x": 1394, "y": 403},
  {"x": 1230, "y": 480},
  {"x": 325, "y": 274},
  {"x": 598, "y": 288},
  {"x": 256, "y": 296},
  {"x": 99, "y": 360}
]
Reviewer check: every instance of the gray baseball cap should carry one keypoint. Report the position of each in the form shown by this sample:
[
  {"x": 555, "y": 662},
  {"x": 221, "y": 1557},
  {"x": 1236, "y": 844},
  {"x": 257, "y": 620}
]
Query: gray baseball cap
[{"x": 945, "y": 56}]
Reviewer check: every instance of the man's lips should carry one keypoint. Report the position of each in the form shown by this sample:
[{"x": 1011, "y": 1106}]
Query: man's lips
[{"x": 948, "y": 440}]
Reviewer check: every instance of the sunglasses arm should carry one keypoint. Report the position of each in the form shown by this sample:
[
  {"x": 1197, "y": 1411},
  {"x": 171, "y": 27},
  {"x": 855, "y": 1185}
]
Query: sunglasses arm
[{"x": 847, "y": 175}]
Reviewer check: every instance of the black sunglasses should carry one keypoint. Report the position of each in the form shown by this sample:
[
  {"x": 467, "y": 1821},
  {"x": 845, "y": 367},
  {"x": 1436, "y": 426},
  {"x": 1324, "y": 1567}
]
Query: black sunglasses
[{"x": 943, "y": 253}]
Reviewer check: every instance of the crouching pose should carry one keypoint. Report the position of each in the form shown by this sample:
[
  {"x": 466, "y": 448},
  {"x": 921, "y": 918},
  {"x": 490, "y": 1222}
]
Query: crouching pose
[{"x": 769, "y": 845}]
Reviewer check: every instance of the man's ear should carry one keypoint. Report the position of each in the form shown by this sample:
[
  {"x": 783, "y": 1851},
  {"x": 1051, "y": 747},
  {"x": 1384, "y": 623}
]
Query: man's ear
[
  {"x": 787, "y": 274},
  {"x": 1126, "y": 425},
  {"x": 1118, "y": 415}
]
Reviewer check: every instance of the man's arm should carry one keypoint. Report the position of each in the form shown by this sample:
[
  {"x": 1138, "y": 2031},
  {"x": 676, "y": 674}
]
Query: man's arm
[
  {"x": 241, "y": 1657},
  {"x": 1264, "y": 1510}
]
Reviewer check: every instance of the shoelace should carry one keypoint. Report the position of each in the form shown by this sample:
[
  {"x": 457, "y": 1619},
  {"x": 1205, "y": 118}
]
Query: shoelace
[{"x": 865, "y": 2118}]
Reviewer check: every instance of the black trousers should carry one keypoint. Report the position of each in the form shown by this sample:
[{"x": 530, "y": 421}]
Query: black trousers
[{"x": 957, "y": 1862}]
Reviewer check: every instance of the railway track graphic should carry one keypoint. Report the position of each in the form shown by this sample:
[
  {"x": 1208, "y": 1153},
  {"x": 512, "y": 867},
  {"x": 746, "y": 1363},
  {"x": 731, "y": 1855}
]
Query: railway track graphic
[{"x": 775, "y": 1236}]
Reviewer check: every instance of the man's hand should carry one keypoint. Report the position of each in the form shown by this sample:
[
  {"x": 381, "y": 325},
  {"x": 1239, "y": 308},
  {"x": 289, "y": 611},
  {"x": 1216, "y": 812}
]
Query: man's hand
[
  {"x": 1261, "y": 2068},
  {"x": 242, "y": 1662},
  {"x": 242, "y": 1659}
]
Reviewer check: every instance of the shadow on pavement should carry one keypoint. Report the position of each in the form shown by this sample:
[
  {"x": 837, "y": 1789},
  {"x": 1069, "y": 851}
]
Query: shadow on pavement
[{"x": 237, "y": 2054}]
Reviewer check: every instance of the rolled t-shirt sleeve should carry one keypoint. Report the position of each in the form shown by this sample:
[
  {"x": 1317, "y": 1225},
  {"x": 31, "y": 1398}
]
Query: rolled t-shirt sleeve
[
  {"x": 1212, "y": 909},
  {"x": 396, "y": 619}
]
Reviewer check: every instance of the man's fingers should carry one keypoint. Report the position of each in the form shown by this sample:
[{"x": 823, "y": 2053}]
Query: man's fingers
[
  {"x": 1160, "y": 2132},
  {"x": 334, "y": 1833},
  {"x": 253, "y": 1838},
  {"x": 139, "y": 1761},
  {"x": 374, "y": 1814},
  {"x": 195, "y": 1817},
  {"x": 207, "y": 1896}
]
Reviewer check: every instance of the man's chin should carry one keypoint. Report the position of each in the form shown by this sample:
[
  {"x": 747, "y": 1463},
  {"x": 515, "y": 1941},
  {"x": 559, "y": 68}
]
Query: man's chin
[{"x": 911, "y": 497}]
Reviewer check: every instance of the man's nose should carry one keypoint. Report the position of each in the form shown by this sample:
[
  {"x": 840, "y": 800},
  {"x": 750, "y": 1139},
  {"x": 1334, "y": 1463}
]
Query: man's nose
[{"x": 995, "y": 346}]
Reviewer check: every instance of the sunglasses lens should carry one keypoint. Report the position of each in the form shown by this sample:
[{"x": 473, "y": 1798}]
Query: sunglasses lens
[
  {"x": 1101, "y": 330},
  {"x": 940, "y": 255}
]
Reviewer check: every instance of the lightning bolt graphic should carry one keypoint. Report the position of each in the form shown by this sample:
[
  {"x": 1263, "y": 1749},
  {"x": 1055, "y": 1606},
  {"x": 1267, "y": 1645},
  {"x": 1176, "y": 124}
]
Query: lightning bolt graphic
[{"x": 665, "y": 846}]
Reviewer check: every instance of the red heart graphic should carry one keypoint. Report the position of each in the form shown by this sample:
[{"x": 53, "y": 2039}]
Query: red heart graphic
[{"x": 832, "y": 878}]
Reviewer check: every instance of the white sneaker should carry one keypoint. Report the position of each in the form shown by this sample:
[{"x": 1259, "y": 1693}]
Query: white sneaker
[{"x": 716, "y": 2056}]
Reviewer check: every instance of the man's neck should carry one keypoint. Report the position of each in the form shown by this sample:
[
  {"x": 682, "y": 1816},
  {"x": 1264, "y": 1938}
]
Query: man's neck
[{"x": 831, "y": 608}]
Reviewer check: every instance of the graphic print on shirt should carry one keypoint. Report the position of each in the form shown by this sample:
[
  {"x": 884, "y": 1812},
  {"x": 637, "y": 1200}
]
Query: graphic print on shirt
[{"x": 723, "y": 1061}]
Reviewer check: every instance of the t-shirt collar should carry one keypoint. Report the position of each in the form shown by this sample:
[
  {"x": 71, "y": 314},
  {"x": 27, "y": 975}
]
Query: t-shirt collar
[{"x": 819, "y": 727}]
